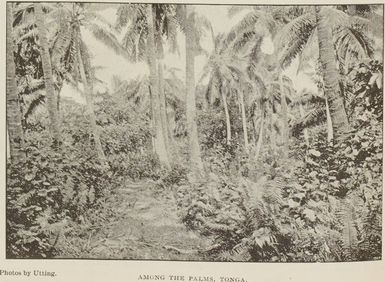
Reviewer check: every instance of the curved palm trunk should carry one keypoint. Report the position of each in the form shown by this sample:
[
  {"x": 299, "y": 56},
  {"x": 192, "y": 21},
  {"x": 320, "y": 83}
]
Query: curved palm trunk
[
  {"x": 192, "y": 129},
  {"x": 15, "y": 130},
  {"x": 244, "y": 121},
  {"x": 88, "y": 90},
  {"x": 330, "y": 75},
  {"x": 285, "y": 129},
  {"x": 48, "y": 77},
  {"x": 160, "y": 146},
  {"x": 228, "y": 125}
]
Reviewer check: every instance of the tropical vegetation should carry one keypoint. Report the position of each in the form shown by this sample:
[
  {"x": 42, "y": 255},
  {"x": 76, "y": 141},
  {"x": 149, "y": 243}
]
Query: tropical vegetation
[{"x": 271, "y": 150}]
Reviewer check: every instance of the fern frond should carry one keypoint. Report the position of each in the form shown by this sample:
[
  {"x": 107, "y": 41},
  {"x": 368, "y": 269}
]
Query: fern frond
[{"x": 349, "y": 232}]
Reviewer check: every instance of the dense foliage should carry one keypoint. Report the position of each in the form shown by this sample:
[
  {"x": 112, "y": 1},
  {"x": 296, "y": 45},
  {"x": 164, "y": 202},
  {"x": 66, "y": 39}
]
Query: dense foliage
[{"x": 262, "y": 169}]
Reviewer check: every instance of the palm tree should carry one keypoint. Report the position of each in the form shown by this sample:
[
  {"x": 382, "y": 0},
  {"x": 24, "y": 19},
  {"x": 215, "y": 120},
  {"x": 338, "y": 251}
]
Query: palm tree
[
  {"x": 330, "y": 74},
  {"x": 225, "y": 69},
  {"x": 160, "y": 146},
  {"x": 258, "y": 23},
  {"x": 14, "y": 129},
  {"x": 346, "y": 40},
  {"x": 192, "y": 129},
  {"x": 135, "y": 40},
  {"x": 77, "y": 59},
  {"x": 88, "y": 91},
  {"x": 48, "y": 77}
]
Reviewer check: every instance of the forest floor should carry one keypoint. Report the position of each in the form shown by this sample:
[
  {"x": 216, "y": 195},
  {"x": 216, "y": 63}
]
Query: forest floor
[{"x": 142, "y": 224}]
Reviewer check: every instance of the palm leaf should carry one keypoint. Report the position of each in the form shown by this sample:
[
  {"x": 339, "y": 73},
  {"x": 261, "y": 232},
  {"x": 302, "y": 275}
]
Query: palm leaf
[{"x": 108, "y": 38}]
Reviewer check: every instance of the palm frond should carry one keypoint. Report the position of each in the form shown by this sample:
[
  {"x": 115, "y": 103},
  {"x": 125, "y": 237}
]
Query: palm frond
[
  {"x": 315, "y": 117},
  {"x": 108, "y": 38},
  {"x": 352, "y": 44},
  {"x": 307, "y": 97},
  {"x": 38, "y": 100},
  {"x": 234, "y": 10},
  {"x": 62, "y": 42},
  {"x": 293, "y": 37}
]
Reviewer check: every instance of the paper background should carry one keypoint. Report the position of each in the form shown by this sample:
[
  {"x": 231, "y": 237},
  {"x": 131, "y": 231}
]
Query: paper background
[{"x": 129, "y": 271}]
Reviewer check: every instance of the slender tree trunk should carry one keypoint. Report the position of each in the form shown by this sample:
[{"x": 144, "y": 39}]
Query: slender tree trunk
[
  {"x": 285, "y": 129},
  {"x": 192, "y": 129},
  {"x": 162, "y": 97},
  {"x": 328, "y": 122},
  {"x": 163, "y": 108},
  {"x": 305, "y": 131},
  {"x": 160, "y": 146},
  {"x": 273, "y": 142},
  {"x": 152, "y": 121},
  {"x": 88, "y": 91},
  {"x": 260, "y": 137},
  {"x": 48, "y": 77},
  {"x": 227, "y": 115},
  {"x": 330, "y": 74},
  {"x": 15, "y": 130},
  {"x": 244, "y": 121}
]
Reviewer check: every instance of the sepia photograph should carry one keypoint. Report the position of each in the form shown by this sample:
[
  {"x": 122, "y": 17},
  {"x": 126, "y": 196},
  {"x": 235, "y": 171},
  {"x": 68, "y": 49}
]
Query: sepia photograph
[{"x": 194, "y": 132}]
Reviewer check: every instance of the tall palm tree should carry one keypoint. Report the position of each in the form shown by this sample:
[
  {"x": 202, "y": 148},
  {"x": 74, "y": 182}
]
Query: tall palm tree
[
  {"x": 160, "y": 146},
  {"x": 330, "y": 74},
  {"x": 346, "y": 42},
  {"x": 15, "y": 130},
  {"x": 257, "y": 24},
  {"x": 88, "y": 91},
  {"x": 47, "y": 70},
  {"x": 225, "y": 69},
  {"x": 135, "y": 40},
  {"x": 192, "y": 129},
  {"x": 77, "y": 58}
]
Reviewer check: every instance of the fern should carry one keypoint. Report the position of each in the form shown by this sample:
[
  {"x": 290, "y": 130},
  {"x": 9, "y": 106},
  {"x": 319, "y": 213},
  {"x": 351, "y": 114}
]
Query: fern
[{"x": 346, "y": 215}]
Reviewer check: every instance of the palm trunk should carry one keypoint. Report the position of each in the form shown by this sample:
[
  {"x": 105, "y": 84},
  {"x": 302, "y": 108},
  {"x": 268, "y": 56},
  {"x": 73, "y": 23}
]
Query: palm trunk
[
  {"x": 260, "y": 137},
  {"x": 329, "y": 122},
  {"x": 285, "y": 130},
  {"x": 273, "y": 143},
  {"x": 163, "y": 108},
  {"x": 48, "y": 77},
  {"x": 15, "y": 130},
  {"x": 305, "y": 131},
  {"x": 192, "y": 128},
  {"x": 152, "y": 121},
  {"x": 227, "y": 115},
  {"x": 88, "y": 91},
  {"x": 330, "y": 74},
  {"x": 162, "y": 98},
  {"x": 244, "y": 121},
  {"x": 160, "y": 146}
]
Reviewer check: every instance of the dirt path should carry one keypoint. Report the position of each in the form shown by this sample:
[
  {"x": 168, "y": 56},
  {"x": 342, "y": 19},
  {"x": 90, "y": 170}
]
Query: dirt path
[{"x": 146, "y": 226}]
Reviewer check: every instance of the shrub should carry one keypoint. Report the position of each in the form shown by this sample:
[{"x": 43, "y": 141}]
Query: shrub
[{"x": 47, "y": 189}]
